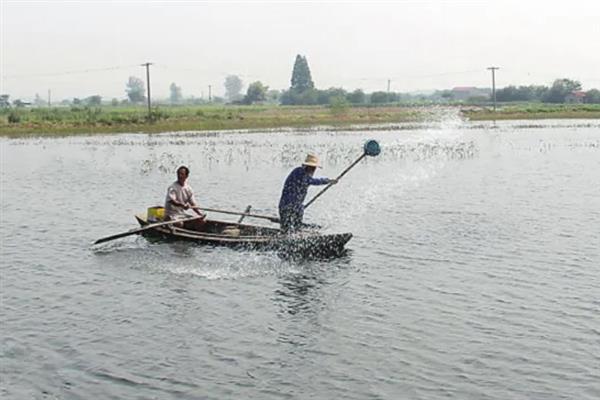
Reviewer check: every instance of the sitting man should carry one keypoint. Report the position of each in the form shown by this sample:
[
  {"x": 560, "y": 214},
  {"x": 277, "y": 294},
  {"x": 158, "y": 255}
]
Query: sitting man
[
  {"x": 180, "y": 197},
  {"x": 291, "y": 207}
]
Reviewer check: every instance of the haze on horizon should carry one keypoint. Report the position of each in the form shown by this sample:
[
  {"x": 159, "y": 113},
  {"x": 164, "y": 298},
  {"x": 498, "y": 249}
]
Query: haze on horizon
[{"x": 79, "y": 49}]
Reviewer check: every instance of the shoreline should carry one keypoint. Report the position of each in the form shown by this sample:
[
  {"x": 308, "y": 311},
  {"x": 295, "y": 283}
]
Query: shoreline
[{"x": 57, "y": 122}]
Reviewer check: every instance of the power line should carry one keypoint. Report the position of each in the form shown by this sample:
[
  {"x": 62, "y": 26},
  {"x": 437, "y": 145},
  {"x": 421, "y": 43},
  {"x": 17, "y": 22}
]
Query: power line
[
  {"x": 205, "y": 71},
  {"x": 401, "y": 77},
  {"x": 81, "y": 71}
]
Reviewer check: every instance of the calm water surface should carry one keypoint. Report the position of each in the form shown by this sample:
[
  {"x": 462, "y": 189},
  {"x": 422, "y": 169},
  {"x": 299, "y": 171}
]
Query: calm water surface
[{"x": 474, "y": 271}]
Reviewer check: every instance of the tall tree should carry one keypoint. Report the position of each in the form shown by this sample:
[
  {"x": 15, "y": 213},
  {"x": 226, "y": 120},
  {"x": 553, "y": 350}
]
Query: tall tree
[
  {"x": 301, "y": 77},
  {"x": 233, "y": 87},
  {"x": 176, "y": 95},
  {"x": 560, "y": 89},
  {"x": 135, "y": 90}
]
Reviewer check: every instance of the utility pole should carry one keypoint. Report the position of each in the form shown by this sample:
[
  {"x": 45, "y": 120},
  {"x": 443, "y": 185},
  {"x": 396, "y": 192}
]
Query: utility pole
[
  {"x": 388, "y": 90},
  {"x": 49, "y": 99},
  {"x": 493, "y": 69},
  {"x": 147, "y": 65},
  {"x": 209, "y": 94}
]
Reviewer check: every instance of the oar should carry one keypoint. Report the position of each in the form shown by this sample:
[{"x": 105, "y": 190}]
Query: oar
[
  {"x": 371, "y": 148},
  {"x": 145, "y": 228},
  {"x": 245, "y": 214}
]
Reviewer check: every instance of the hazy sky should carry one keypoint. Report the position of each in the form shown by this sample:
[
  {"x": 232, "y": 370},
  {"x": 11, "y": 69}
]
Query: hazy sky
[{"x": 82, "y": 48}]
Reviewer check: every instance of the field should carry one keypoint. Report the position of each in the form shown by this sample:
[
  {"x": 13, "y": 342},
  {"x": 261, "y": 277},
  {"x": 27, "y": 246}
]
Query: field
[
  {"x": 63, "y": 121},
  {"x": 533, "y": 111}
]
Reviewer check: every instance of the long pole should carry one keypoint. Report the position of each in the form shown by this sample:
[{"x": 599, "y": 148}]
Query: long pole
[
  {"x": 337, "y": 179},
  {"x": 147, "y": 65},
  {"x": 145, "y": 228},
  {"x": 493, "y": 69}
]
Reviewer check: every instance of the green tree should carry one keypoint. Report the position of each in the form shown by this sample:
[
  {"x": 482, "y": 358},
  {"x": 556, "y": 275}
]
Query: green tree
[
  {"x": 447, "y": 95},
  {"x": 325, "y": 96},
  {"x": 356, "y": 97},
  {"x": 38, "y": 101},
  {"x": 233, "y": 87},
  {"x": 301, "y": 77},
  {"x": 379, "y": 97},
  {"x": 4, "y": 102},
  {"x": 175, "y": 95},
  {"x": 509, "y": 93},
  {"x": 560, "y": 89},
  {"x": 135, "y": 90},
  {"x": 592, "y": 96},
  {"x": 521, "y": 93},
  {"x": 308, "y": 97},
  {"x": 256, "y": 92},
  {"x": 273, "y": 95},
  {"x": 93, "y": 100},
  {"x": 287, "y": 98}
]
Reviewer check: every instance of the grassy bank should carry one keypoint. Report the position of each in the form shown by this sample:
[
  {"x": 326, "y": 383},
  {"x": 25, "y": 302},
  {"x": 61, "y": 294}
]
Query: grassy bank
[
  {"x": 63, "y": 121},
  {"x": 66, "y": 121},
  {"x": 533, "y": 111}
]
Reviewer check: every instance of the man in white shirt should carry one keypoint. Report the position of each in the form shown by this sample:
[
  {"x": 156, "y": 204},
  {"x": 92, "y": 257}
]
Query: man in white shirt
[{"x": 180, "y": 197}]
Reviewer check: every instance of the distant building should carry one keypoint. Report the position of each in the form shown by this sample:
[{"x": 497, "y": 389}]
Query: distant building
[
  {"x": 21, "y": 103},
  {"x": 462, "y": 93},
  {"x": 575, "y": 97}
]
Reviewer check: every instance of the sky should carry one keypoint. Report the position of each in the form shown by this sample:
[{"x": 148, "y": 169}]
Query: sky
[{"x": 84, "y": 48}]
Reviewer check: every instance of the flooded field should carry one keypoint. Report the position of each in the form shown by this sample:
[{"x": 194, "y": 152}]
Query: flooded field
[{"x": 473, "y": 272}]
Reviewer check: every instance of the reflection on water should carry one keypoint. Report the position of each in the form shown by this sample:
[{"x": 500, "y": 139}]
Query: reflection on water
[
  {"x": 299, "y": 293},
  {"x": 473, "y": 264}
]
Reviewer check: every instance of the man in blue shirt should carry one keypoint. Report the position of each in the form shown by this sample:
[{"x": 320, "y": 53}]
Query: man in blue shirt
[{"x": 291, "y": 207}]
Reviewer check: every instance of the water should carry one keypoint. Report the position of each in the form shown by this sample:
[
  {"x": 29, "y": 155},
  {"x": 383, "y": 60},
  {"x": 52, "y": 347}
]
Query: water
[{"x": 473, "y": 272}]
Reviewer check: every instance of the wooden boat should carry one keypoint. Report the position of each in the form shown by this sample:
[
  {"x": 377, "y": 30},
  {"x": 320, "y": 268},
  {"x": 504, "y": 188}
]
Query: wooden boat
[{"x": 306, "y": 243}]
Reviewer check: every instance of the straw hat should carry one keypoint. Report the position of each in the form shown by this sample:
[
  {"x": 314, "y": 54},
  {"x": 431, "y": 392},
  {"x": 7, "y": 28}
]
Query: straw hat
[{"x": 311, "y": 161}]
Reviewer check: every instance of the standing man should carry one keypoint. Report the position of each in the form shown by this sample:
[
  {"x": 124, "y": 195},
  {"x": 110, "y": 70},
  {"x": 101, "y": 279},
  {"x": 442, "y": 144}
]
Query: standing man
[
  {"x": 291, "y": 207},
  {"x": 180, "y": 197}
]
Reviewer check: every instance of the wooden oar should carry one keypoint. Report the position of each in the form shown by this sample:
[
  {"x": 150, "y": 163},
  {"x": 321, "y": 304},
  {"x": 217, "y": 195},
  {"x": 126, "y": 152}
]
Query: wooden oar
[
  {"x": 245, "y": 214},
  {"x": 371, "y": 148},
  {"x": 145, "y": 228}
]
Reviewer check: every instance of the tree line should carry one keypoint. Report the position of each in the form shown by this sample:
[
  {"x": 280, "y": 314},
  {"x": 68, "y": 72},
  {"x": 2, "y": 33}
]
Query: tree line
[
  {"x": 302, "y": 91},
  {"x": 560, "y": 92}
]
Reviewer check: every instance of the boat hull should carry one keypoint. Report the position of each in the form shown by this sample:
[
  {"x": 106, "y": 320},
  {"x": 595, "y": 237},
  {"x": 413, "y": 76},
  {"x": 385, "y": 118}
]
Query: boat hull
[{"x": 307, "y": 243}]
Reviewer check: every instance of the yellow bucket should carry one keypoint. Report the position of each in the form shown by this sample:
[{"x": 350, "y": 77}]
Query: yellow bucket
[{"x": 156, "y": 213}]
